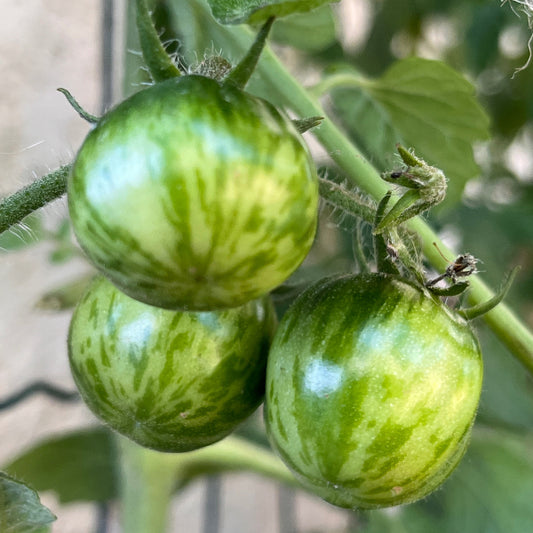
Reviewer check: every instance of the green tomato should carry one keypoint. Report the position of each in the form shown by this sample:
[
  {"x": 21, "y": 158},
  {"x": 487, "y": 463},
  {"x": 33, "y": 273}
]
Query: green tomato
[
  {"x": 194, "y": 195},
  {"x": 170, "y": 380},
  {"x": 372, "y": 390}
]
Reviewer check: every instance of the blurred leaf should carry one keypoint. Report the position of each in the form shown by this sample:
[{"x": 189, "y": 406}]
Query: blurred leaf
[
  {"x": 507, "y": 397},
  {"x": 78, "y": 466},
  {"x": 257, "y": 11},
  {"x": 20, "y": 508},
  {"x": 490, "y": 492},
  {"x": 483, "y": 34},
  {"x": 66, "y": 296},
  {"x": 369, "y": 124},
  {"x": 63, "y": 254},
  {"x": 28, "y": 232},
  {"x": 433, "y": 109},
  {"x": 296, "y": 30}
]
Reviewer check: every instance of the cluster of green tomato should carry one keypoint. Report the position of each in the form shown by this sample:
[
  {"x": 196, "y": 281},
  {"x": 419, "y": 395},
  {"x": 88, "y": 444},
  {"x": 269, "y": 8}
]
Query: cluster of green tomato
[{"x": 195, "y": 200}]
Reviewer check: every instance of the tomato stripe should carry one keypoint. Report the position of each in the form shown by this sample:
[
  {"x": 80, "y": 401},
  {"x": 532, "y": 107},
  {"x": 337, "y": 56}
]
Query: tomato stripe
[
  {"x": 169, "y": 380},
  {"x": 365, "y": 375}
]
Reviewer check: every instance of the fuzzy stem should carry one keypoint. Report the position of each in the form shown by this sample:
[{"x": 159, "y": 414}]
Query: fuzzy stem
[
  {"x": 157, "y": 60},
  {"x": 383, "y": 259},
  {"x": 345, "y": 200},
  {"x": 20, "y": 204}
]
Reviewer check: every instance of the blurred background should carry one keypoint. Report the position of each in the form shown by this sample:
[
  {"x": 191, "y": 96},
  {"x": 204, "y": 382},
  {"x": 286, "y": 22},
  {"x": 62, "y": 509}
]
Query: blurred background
[{"x": 83, "y": 46}]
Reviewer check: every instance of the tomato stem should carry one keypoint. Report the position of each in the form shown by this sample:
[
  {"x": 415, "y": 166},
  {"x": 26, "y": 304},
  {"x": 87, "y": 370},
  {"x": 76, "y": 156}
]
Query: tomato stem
[
  {"x": 23, "y": 202},
  {"x": 147, "y": 483},
  {"x": 157, "y": 60},
  {"x": 149, "y": 478},
  {"x": 357, "y": 250},
  {"x": 240, "y": 75},
  {"x": 381, "y": 251}
]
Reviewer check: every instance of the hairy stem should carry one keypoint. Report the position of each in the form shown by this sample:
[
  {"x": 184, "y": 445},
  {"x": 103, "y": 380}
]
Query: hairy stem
[{"x": 42, "y": 191}]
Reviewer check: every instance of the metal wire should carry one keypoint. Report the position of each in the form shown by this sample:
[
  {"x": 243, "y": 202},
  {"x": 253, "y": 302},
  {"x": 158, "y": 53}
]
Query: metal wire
[{"x": 39, "y": 387}]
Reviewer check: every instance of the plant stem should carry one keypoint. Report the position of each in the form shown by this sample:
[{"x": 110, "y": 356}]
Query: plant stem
[
  {"x": 147, "y": 479},
  {"x": 20, "y": 204},
  {"x": 233, "y": 454}
]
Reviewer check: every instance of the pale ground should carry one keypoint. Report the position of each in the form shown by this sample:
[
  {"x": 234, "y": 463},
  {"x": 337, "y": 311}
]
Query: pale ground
[{"x": 45, "y": 44}]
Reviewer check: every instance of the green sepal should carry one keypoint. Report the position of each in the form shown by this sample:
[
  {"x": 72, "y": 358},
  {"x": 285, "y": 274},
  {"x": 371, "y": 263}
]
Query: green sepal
[
  {"x": 157, "y": 60},
  {"x": 382, "y": 250},
  {"x": 479, "y": 310},
  {"x": 91, "y": 119},
  {"x": 452, "y": 290},
  {"x": 305, "y": 124},
  {"x": 426, "y": 186},
  {"x": 240, "y": 75}
]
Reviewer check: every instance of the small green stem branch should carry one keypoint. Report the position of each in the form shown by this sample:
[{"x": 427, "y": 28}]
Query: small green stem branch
[
  {"x": 150, "y": 478},
  {"x": 20, "y": 204},
  {"x": 347, "y": 201}
]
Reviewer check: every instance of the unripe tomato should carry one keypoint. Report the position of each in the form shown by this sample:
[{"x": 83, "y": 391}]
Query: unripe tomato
[
  {"x": 372, "y": 389},
  {"x": 194, "y": 195},
  {"x": 169, "y": 380}
]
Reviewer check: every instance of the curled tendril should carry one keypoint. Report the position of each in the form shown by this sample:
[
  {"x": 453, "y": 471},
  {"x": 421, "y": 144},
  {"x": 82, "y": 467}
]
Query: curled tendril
[{"x": 525, "y": 7}]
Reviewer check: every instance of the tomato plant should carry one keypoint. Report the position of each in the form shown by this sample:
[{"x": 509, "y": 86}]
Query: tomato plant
[
  {"x": 169, "y": 380},
  {"x": 193, "y": 194},
  {"x": 372, "y": 388},
  {"x": 197, "y": 196}
]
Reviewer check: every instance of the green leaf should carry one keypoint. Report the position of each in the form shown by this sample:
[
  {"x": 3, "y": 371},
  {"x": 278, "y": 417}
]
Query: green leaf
[
  {"x": 296, "y": 29},
  {"x": 257, "y": 11},
  {"x": 489, "y": 493},
  {"x": 369, "y": 124},
  {"x": 20, "y": 508},
  {"x": 77, "y": 467},
  {"x": 428, "y": 106}
]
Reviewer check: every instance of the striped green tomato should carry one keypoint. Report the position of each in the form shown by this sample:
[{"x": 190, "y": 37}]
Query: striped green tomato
[
  {"x": 372, "y": 389},
  {"x": 170, "y": 380},
  {"x": 194, "y": 195}
]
